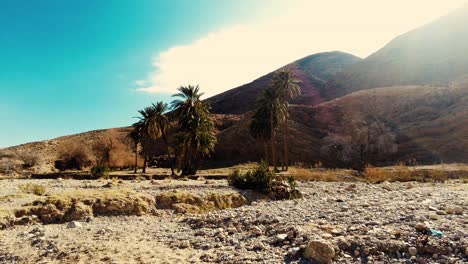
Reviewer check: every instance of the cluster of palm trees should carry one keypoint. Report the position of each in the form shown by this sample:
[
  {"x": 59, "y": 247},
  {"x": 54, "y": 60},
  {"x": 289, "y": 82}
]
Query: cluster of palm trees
[
  {"x": 271, "y": 115},
  {"x": 194, "y": 137}
]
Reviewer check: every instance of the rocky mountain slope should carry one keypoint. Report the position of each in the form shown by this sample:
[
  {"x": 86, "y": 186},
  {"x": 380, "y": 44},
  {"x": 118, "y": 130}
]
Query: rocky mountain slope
[
  {"x": 425, "y": 123},
  {"x": 435, "y": 54},
  {"x": 314, "y": 71}
]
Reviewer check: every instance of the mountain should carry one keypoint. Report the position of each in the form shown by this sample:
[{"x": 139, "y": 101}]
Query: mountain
[
  {"x": 435, "y": 54},
  {"x": 314, "y": 71},
  {"x": 394, "y": 124}
]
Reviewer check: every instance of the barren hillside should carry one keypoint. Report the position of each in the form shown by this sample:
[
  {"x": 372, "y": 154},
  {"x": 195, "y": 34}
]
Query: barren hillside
[
  {"x": 435, "y": 54},
  {"x": 396, "y": 124}
]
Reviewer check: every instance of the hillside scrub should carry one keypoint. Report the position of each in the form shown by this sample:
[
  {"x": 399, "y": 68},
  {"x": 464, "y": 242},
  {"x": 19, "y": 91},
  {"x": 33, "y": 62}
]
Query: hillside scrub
[{"x": 73, "y": 157}]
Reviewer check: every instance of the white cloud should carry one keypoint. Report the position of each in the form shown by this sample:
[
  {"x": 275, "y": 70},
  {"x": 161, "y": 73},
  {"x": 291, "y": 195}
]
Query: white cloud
[
  {"x": 239, "y": 54},
  {"x": 141, "y": 82}
]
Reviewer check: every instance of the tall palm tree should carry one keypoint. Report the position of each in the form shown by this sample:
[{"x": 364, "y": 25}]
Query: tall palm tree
[
  {"x": 149, "y": 130},
  {"x": 161, "y": 119},
  {"x": 195, "y": 139},
  {"x": 286, "y": 83},
  {"x": 274, "y": 111},
  {"x": 136, "y": 135},
  {"x": 260, "y": 127}
]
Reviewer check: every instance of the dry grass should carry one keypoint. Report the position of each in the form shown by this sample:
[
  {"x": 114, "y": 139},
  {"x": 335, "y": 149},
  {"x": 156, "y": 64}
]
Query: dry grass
[
  {"x": 317, "y": 174},
  {"x": 403, "y": 173},
  {"x": 399, "y": 172},
  {"x": 35, "y": 189}
]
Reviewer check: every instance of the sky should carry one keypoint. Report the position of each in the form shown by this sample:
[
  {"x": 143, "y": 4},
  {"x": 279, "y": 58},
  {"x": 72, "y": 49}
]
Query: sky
[{"x": 72, "y": 66}]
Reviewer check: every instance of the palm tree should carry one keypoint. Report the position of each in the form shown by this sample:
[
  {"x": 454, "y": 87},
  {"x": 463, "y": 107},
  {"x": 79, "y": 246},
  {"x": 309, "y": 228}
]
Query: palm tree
[
  {"x": 195, "y": 139},
  {"x": 260, "y": 127},
  {"x": 286, "y": 84},
  {"x": 161, "y": 119},
  {"x": 270, "y": 106},
  {"x": 149, "y": 130},
  {"x": 136, "y": 135}
]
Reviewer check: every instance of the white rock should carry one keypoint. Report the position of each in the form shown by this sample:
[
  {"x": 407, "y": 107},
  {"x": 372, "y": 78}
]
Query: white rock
[
  {"x": 281, "y": 237},
  {"x": 74, "y": 224}
]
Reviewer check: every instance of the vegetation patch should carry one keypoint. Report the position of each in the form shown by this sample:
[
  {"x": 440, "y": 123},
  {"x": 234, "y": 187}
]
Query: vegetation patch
[
  {"x": 183, "y": 202},
  {"x": 31, "y": 188},
  {"x": 264, "y": 180},
  {"x": 100, "y": 171},
  {"x": 403, "y": 173}
]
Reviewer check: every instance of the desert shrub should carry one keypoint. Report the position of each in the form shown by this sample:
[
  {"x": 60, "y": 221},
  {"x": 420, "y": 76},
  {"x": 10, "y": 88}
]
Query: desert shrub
[
  {"x": 29, "y": 159},
  {"x": 264, "y": 180},
  {"x": 75, "y": 157},
  {"x": 31, "y": 188},
  {"x": 5, "y": 154},
  {"x": 260, "y": 178},
  {"x": 100, "y": 171}
]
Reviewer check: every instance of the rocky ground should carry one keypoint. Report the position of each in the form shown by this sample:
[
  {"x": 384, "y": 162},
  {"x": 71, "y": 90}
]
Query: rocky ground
[{"x": 333, "y": 222}]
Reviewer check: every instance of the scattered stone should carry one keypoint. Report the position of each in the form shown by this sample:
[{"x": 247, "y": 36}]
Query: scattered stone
[
  {"x": 184, "y": 244},
  {"x": 421, "y": 227},
  {"x": 294, "y": 252},
  {"x": 454, "y": 210},
  {"x": 412, "y": 251},
  {"x": 281, "y": 237},
  {"x": 256, "y": 231}
]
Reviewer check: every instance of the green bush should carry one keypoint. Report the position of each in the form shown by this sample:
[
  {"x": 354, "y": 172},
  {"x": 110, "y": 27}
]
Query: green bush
[
  {"x": 100, "y": 171},
  {"x": 260, "y": 178}
]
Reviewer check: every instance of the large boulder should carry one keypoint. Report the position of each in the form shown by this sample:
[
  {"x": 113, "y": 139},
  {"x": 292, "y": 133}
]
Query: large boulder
[{"x": 319, "y": 251}]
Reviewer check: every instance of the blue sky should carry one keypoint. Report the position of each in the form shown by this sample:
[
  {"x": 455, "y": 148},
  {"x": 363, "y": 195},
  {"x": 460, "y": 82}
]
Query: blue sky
[{"x": 72, "y": 66}]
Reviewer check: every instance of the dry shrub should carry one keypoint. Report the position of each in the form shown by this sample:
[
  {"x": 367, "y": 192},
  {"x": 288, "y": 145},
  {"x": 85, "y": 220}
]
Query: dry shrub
[
  {"x": 9, "y": 163},
  {"x": 114, "y": 154},
  {"x": 31, "y": 188},
  {"x": 183, "y": 202},
  {"x": 73, "y": 156},
  {"x": 29, "y": 159}
]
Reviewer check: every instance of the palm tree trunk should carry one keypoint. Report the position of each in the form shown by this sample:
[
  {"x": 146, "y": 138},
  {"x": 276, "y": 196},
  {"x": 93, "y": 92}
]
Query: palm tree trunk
[
  {"x": 286, "y": 136},
  {"x": 168, "y": 152},
  {"x": 145, "y": 153},
  {"x": 265, "y": 143},
  {"x": 272, "y": 140},
  {"x": 136, "y": 157}
]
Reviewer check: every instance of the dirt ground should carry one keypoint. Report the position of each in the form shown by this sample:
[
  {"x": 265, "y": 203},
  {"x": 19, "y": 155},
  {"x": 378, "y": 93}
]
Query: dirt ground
[{"x": 370, "y": 223}]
